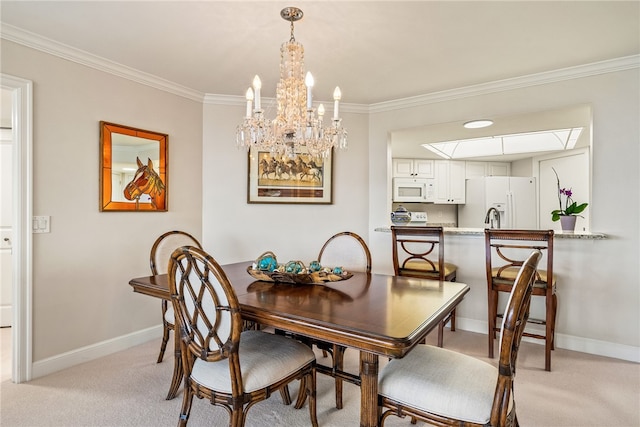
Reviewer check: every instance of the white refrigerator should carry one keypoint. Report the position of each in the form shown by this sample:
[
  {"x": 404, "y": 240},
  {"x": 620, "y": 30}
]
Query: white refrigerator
[{"x": 513, "y": 197}]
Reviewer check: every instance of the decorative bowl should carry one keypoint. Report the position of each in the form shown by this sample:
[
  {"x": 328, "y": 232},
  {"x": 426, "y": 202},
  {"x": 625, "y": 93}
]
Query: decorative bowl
[{"x": 266, "y": 268}]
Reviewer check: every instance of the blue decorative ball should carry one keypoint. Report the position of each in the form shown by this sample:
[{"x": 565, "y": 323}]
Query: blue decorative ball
[
  {"x": 314, "y": 266},
  {"x": 293, "y": 267},
  {"x": 267, "y": 263}
]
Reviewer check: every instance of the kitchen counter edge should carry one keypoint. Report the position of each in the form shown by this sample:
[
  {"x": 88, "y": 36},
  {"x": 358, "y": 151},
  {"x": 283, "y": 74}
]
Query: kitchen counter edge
[{"x": 585, "y": 235}]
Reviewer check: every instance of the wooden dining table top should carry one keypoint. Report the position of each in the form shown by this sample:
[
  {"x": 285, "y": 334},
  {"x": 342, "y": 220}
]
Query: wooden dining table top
[{"x": 377, "y": 313}]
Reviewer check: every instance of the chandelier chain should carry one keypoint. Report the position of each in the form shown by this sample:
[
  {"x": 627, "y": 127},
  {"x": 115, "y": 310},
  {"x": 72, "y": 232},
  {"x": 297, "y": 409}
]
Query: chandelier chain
[{"x": 297, "y": 127}]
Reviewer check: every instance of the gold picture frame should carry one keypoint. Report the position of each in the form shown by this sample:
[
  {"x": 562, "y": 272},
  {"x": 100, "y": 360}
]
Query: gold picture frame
[
  {"x": 133, "y": 169},
  {"x": 302, "y": 179}
]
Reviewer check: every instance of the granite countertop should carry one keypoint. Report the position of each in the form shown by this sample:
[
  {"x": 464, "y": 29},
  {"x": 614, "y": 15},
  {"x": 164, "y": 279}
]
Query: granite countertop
[{"x": 584, "y": 235}]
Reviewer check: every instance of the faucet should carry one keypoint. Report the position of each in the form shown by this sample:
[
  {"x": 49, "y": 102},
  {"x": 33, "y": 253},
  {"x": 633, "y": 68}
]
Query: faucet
[{"x": 492, "y": 213}]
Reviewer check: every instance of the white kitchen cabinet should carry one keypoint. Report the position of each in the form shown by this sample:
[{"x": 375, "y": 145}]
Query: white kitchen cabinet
[
  {"x": 482, "y": 169},
  {"x": 449, "y": 182},
  {"x": 498, "y": 169},
  {"x": 413, "y": 168}
]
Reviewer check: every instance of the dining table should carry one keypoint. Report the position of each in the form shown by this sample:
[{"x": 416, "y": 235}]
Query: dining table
[{"x": 376, "y": 314}]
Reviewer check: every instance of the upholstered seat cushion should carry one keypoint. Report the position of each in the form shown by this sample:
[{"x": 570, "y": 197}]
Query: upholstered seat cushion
[
  {"x": 428, "y": 268},
  {"x": 264, "y": 359},
  {"x": 510, "y": 273},
  {"x": 441, "y": 382}
]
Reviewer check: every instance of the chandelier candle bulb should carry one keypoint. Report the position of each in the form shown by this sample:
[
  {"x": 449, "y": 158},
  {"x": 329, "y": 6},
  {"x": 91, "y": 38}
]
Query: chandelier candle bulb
[
  {"x": 308, "y": 81},
  {"x": 249, "y": 98},
  {"x": 257, "y": 84},
  {"x": 336, "y": 100},
  {"x": 297, "y": 127}
]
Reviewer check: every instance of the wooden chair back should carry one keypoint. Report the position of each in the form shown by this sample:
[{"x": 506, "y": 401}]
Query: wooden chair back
[
  {"x": 164, "y": 246},
  {"x": 207, "y": 311},
  {"x": 505, "y": 251},
  {"x": 347, "y": 250},
  {"x": 513, "y": 325},
  {"x": 419, "y": 252}
]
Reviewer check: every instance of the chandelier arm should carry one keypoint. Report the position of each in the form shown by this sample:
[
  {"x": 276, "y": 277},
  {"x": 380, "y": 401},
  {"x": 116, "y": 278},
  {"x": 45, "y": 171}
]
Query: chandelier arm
[{"x": 296, "y": 128}]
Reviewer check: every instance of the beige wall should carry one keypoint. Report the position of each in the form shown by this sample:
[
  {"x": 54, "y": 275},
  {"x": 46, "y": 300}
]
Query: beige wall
[
  {"x": 81, "y": 269},
  {"x": 234, "y": 230},
  {"x": 599, "y": 287}
]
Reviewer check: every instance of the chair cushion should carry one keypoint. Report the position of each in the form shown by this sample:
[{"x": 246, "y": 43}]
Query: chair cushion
[
  {"x": 264, "y": 359},
  {"x": 169, "y": 316},
  {"x": 510, "y": 273},
  {"x": 426, "y": 267},
  {"x": 441, "y": 382}
]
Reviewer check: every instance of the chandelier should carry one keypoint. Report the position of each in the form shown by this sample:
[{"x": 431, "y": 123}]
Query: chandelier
[{"x": 297, "y": 124}]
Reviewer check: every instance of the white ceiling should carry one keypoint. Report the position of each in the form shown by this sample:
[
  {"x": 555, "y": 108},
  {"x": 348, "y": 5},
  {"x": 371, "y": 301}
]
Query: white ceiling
[{"x": 376, "y": 51}]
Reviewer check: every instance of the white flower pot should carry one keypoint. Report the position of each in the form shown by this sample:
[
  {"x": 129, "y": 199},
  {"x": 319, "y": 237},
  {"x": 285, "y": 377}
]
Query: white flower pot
[{"x": 568, "y": 222}]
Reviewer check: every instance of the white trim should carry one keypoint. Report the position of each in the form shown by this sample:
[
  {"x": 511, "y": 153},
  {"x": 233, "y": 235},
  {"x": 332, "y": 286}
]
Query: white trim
[
  {"x": 22, "y": 128},
  {"x": 35, "y": 41},
  {"x": 91, "y": 352},
  {"x": 602, "y": 67},
  {"x": 61, "y": 50},
  {"x": 567, "y": 342}
]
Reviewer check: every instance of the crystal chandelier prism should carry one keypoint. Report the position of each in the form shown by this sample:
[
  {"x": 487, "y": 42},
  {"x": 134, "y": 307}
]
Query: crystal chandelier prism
[{"x": 297, "y": 124}]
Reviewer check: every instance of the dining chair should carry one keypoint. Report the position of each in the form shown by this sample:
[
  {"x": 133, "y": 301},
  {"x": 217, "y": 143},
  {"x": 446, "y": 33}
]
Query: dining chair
[
  {"x": 446, "y": 388},
  {"x": 222, "y": 363},
  {"x": 419, "y": 252},
  {"x": 505, "y": 251},
  {"x": 159, "y": 261},
  {"x": 349, "y": 251}
]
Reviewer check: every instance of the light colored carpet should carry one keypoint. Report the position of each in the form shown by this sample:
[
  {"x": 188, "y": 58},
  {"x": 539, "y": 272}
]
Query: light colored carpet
[{"x": 128, "y": 389}]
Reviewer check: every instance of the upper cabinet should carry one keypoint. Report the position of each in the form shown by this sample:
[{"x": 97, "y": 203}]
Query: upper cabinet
[
  {"x": 413, "y": 168},
  {"x": 482, "y": 169},
  {"x": 449, "y": 180}
]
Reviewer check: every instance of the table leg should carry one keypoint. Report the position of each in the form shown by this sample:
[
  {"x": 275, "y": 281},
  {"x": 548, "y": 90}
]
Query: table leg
[
  {"x": 177, "y": 367},
  {"x": 368, "y": 389}
]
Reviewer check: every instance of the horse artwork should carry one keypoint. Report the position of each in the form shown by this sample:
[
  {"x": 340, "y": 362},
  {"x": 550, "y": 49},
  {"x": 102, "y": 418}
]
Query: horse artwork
[
  {"x": 146, "y": 181},
  {"x": 301, "y": 178}
]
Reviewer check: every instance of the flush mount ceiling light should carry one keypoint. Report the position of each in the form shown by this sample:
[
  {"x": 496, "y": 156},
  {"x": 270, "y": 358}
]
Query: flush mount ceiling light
[
  {"x": 531, "y": 142},
  {"x": 477, "y": 124},
  {"x": 296, "y": 124}
]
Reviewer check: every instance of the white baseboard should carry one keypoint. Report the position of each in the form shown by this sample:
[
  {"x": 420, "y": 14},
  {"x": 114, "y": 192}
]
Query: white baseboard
[
  {"x": 6, "y": 315},
  {"x": 95, "y": 351},
  {"x": 568, "y": 342},
  {"x": 104, "y": 348}
]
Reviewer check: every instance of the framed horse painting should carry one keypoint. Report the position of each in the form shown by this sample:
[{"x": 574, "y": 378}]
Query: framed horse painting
[
  {"x": 300, "y": 178},
  {"x": 133, "y": 169}
]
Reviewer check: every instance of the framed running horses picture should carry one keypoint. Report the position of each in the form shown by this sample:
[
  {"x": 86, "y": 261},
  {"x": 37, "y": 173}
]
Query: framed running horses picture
[
  {"x": 285, "y": 179},
  {"x": 133, "y": 169}
]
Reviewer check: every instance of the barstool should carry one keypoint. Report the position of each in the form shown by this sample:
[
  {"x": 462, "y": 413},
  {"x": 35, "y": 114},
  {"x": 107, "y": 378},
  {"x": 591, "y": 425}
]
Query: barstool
[
  {"x": 419, "y": 252},
  {"x": 505, "y": 252}
]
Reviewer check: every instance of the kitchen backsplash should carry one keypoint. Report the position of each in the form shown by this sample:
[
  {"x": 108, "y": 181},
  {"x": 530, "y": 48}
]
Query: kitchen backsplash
[{"x": 446, "y": 215}]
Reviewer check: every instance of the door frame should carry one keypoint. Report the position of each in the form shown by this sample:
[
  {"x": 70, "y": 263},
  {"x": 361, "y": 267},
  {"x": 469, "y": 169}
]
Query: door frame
[{"x": 22, "y": 134}]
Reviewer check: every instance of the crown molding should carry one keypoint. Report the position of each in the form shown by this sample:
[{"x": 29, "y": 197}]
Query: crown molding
[
  {"x": 52, "y": 47},
  {"x": 602, "y": 67},
  {"x": 35, "y": 41},
  {"x": 236, "y": 100}
]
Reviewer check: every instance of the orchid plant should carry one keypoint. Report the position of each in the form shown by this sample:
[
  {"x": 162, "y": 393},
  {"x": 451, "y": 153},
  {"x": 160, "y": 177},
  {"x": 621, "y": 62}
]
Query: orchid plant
[{"x": 570, "y": 207}]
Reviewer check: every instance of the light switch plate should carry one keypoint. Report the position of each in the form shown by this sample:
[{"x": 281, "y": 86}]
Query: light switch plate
[{"x": 41, "y": 224}]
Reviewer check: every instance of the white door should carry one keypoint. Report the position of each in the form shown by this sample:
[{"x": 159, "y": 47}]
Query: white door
[{"x": 6, "y": 221}]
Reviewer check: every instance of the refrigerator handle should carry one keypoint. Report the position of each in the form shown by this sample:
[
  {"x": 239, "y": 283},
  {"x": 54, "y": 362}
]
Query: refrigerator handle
[{"x": 511, "y": 219}]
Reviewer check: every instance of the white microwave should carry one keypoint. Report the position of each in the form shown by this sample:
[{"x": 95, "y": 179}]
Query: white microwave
[{"x": 418, "y": 190}]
